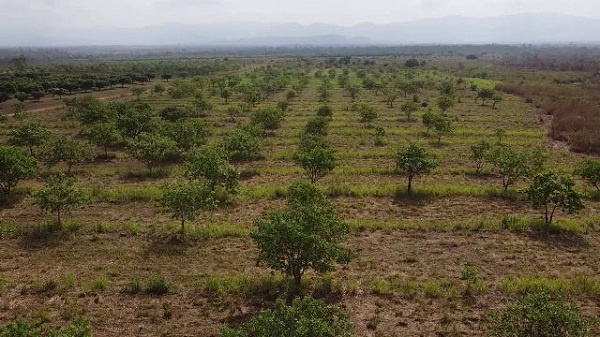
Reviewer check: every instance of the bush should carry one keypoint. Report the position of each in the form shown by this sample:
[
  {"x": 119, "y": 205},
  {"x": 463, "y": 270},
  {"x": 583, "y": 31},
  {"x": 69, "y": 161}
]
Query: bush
[
  {"x": 156, "y": 285},
  {"x": 305, "y": 317},
  {"x": 367, "y": 113},
  {"x": 589, "y": 170},
  {"x": 78, "y": 327},
  {"x": 153, "y": 149},
  {"x": 540, "y": 315},
  {"x": 317, "y": 125},
  {"x": 325, "y": 111}
]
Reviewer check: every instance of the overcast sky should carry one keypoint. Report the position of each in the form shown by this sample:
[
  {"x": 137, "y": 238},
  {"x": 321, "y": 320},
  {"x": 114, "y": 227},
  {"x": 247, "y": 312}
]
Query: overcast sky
[{"x": 134, "y": 13}]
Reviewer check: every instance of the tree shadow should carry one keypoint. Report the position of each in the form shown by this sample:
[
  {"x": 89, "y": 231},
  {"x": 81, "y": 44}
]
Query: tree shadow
[
  {"x": 560, "y": 238},
  {"x": 43, "y": 236},
  {"x": 168, "y": 245},
  {"x": 416, "y": 198},
  {"x": 10, "y": 200}
]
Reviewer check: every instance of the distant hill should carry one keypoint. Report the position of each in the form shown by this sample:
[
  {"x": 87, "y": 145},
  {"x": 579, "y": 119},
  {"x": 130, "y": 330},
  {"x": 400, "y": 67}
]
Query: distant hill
[{"x": 523, "y": 28}]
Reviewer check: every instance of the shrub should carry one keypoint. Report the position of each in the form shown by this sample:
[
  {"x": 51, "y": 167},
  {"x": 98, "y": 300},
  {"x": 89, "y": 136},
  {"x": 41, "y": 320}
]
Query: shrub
[
  {"x": 78, "y": 327},
  {"x": 305, "y": 317},
  {"x": 67, "y": 150},
  {"x": 317, "y": 161},
  {"x": 211, "y": 164},
  {"x": 185, "y": 200},
  {"x": 542, "y": 315},
  {"x": 157, "y": 285},
  {"x": 325, "y": 111}
]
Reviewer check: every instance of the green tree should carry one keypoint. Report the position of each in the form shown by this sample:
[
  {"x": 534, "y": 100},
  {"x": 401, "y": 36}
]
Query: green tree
[
  {"x": 67, "y": 150},
  {"x": 367, "y": 113},
  {"x": 133, "y": 120},
  {"x": 442, "y": 127},
  {"x": 485, "y": 94},
  {"x": 480, "y": 154},
  {"x": 540, "y": 314},
  {"x": 29, "y": 135},
  {"x": 413, "y": 161},
  {"x": 409, "y": 108},
  {"x": 15, "y": 165},
  {"x": 353, "y": 91},
  {"x": 317, "y": 125},
  {"x": 159, "y": 89},
  {"x": 445, "y": 102},
  {"x": 243, "y": 144},
  {"x": 173, "y": 113},
  {"x": 325, "y": 111},
  {"x": 58, "y": 195},
  {"x": 185, "y": 200},
  {"x": 188, "y": 133},
  {"x": 589, "y": 170},
  {"x": 152, "y": 149},
  {"x": 306, "y": 234},
  {"x": 496, "y": 98},
  {"x": 104, "y": 135},
  {"x": 211, "y": 164},
  {"x": 268, "y": 118},
  {"x": 379, "y": 136},
  {"x": 429, "y": 119},
  {"x": 551, "y": 192},
  {"x": 18, "y": 109},
  {"x": 137, "y": 92},
  {"x": 316, "y": 161},
  {"x": 305, "y": 317},
  {"x": 390, "y": 97},
  {"x": 510, "y": 164}
]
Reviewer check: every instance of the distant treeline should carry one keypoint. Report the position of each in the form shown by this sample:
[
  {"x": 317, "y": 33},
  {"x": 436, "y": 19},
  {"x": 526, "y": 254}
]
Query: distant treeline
[{"x": 62, "y": 54}]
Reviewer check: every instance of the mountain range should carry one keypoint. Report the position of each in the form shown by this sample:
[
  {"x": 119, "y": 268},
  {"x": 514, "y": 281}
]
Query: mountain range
[{"x": 513, "y": 29}]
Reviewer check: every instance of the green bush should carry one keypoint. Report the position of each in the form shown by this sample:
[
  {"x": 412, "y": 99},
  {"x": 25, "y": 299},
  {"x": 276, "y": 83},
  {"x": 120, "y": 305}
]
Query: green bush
[
  {"x": 78, "y": 327},
  {"x": 305, "y": 317},
  {"x": 540, "y": 314},
  {"x": 157, "y": 285}
]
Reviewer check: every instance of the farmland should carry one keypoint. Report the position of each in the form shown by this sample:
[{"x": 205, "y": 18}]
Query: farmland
[{"x": 438, "y": 261}]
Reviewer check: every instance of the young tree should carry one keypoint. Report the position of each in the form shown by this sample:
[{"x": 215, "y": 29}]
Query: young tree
[
  {"x": 14, "y": 166},
  {"x": 268, "y": 119},
  {"x": 104, "y": 135},
  {"x": 550, "y": 192},
  {"x": 159, "y": 89},
  {"x": 152, "y": 149},
  {"x": 317, "y": 125},
  {"x": 316, "y": 161},
  {"x": 137, "y": 92},
  {"x": 409, "y": 108},
  {"x": 133, "y": 120},
  {"x": 173, "y": 113},
  {"x": 325, "y": 111},
  {"x": 67, "y": 150},
  {"x": 307, "y": 234},
  {"x": 589, "y": 170},
  {"x": 210, "y": 164},
  {"x": 413, "y": 161},
  {"x": 496, "y": 98},
  {"x": 541, "y": 314},
  {"x": 29, "y": 135},
  {"x": 510, "y": 164},
  {"x": 429, "y": 119},
  {"x": 186, "y": 200},
  {"x": 367, "y": 113},
  {"x": 353, "y": 91},
  {"x": 18, "y": 108},
  {"x": 390, "y": 96},
  {"x": 243, "y": 144},
  {"x": 379, "y": 136},
  {"x": 188, "y": 133},
  {"x": 442, "y": 127},
  {"x": 445, "y": 102},
  {"x": 59, "y": 194},
  {"x": 480, "y": 154},
  {"x": 305, "y": 317},
  {"x": 485, "y": 95},
  {"x": 283, "y": 106}
]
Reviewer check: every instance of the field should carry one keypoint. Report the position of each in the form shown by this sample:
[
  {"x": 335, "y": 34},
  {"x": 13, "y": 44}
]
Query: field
[{"x": 410, "y": 250}]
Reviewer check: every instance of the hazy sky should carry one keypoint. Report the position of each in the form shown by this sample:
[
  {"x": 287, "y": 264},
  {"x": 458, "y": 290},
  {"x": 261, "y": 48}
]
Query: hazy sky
[{"x": 132, "y": 13}]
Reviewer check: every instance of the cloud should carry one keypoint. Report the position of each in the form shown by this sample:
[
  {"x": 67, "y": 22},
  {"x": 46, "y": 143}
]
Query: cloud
[{"x": 174, "y": 4}]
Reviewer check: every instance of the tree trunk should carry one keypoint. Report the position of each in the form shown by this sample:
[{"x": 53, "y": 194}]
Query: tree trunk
[
  {"x": 59, "y": 222},
  {"x": 409, "y": 187},
  {"x": 182, "y": 224}
]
